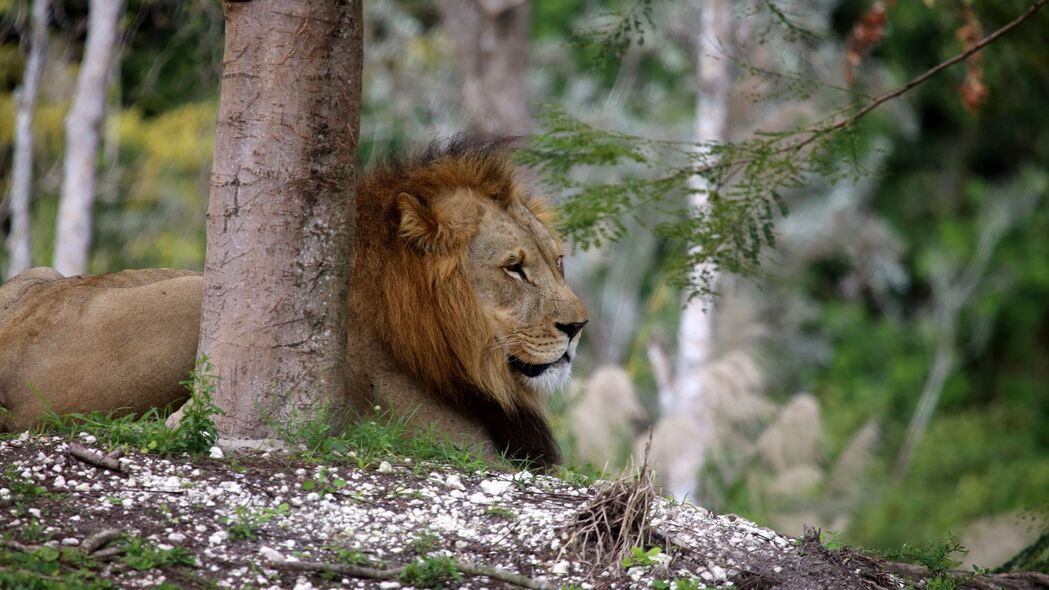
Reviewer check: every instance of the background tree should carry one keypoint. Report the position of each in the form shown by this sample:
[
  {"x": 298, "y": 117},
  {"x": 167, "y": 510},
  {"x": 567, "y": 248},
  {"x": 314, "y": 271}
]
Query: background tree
[
  {"x": 83, "y": 126},
  {"x": 19, "y": 243},
  {"x": 280, "y": 216},
  {"x": 491, "y": 43}
]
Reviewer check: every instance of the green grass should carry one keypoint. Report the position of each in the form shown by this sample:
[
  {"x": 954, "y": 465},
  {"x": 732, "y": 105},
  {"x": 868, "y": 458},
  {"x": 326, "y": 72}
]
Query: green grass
[
  {"x": 432, "y": 572},
  {"x": 66, "y": 568},
  {"x": 148, "y": 433}
]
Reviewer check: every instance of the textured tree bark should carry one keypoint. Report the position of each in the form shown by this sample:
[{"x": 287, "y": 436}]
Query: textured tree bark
[
  {"x": 83, "y": 124},
  {"x": 491, "y": 44},
  {"x": 19, "y": 245},
  {"x": 696, "y": 332},
  {"x": 281, "y": 211}
]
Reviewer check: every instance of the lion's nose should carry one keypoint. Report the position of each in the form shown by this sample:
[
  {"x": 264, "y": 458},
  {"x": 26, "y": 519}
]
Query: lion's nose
[{"x": 571, "y": 329}]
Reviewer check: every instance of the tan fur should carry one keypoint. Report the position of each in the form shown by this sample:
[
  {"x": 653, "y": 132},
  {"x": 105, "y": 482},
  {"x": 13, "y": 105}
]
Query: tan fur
[
  {"x": 433, "y": 312},
  {"x": 119, "y": 342}
]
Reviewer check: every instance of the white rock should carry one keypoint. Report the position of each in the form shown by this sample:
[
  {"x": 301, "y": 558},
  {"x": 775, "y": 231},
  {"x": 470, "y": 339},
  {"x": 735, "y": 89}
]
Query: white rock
[
  {"x": 60, "y": 482},
  {"x": 271, "y": 554},
  {"x": 23, "y": 437},
  {"x": 217, "y": 537},
  {"x": 35, "y": 512},
  {"x": 523, "y": 476},
  {"x": 88, "y": 438},
  {"x": 57, "y": 468},
  {"x": 389, "y": 585},
  {"x": 560, "y": 568},
  {"x": 460, "y": 545},
  {"x": 176, "y": 537},
  {"x": 215, "y": 453},
  {"x": 454, "y": 482},
  {"x": 385, "y": 467},
  {"x": 70, "y": 541},
  {"x": 480, "y": 498},
  {"x": 495, "y": 487},
  {"x": 312, "y": 497}
]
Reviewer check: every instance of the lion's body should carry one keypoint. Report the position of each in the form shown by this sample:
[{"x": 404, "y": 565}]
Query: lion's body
[
  {"x": 458, "y": 314},
  {"x": 119, "y": 341}
]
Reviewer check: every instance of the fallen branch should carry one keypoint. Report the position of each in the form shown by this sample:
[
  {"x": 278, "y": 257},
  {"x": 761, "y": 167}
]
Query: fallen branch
[
  {"x": 969, "y": 580},
  {"x": 99, "y": 539},
  {"x": 96, "y": 458},
  {"x": 359, "y": 571}
]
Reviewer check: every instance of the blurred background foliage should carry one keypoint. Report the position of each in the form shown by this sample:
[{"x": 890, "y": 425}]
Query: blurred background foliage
[{"x": 850, "y": 308}]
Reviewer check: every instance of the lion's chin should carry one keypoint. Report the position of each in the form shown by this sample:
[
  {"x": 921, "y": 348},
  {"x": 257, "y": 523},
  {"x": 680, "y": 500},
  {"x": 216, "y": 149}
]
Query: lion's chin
[{"x": 553, "y": 378}]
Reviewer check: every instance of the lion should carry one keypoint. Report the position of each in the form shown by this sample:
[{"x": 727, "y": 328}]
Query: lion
[{"x": 460, "y": 319}]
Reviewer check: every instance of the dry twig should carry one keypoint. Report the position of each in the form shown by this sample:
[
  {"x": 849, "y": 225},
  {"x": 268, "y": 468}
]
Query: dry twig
[
  {"x": 359, "y": 571},
  {"x": 615, "y": 520},
  {"x": 96, "y": 458},
  {"x": 99, "y": 539}
]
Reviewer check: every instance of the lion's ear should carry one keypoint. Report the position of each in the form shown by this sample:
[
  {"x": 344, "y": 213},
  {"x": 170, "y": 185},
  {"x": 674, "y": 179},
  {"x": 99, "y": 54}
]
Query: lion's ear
[{"x": 440, "y": 226}]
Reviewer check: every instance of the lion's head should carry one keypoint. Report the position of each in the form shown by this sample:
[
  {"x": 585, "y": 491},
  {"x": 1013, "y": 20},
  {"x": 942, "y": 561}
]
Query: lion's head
[{"x": 459, "y": 272}]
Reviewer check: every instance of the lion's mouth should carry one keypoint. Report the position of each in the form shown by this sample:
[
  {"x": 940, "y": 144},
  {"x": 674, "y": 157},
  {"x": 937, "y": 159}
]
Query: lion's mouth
[{"x": 530, "y": 370}]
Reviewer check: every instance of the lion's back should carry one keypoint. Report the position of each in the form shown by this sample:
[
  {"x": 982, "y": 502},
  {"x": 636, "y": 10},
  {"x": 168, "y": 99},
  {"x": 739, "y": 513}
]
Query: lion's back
[{"x": 127, "y": 337}]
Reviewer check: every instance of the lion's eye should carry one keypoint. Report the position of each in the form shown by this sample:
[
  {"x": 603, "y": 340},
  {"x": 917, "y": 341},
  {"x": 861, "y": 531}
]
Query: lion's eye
[
  {"x": 516, "y": 268},
  {"x": 561, "y": 264}
]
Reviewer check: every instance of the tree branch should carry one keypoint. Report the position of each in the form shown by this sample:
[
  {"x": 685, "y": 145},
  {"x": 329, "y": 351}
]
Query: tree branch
[{"x": 884, "y": 98}]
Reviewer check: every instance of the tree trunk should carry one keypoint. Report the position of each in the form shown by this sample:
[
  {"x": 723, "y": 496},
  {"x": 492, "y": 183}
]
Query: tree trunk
[
  {"x": 491, "y": 43},
  {"x": 19, "y": 245},
  {"x": 281, "y": 211},
  {"x": 83, "y": 124},
  {"x": 696, "y": 333}
]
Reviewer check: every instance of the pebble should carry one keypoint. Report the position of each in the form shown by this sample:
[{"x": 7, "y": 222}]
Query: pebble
[
  {"x": 215, "y": 453},
  {"x": 385, "y": 467},
  {"x": 70, "y": 541}
]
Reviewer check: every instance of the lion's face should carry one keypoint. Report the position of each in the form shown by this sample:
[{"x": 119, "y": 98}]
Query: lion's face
[{"x": 516, "y": 269}]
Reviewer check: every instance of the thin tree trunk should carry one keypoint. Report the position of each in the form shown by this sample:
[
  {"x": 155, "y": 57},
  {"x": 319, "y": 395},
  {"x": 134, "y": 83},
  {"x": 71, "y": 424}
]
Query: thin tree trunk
[
  {"x": 281, "y": 211},
  {"x": 19, "y": 244},
  {"x": 696, "y": 334},
  {"x": 83, "y": 126},
  {"x": 491, "y": 43}
]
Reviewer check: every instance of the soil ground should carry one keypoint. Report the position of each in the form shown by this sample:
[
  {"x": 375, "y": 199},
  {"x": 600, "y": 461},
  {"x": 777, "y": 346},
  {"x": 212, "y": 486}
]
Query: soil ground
[{"x": 238, "y": 521}]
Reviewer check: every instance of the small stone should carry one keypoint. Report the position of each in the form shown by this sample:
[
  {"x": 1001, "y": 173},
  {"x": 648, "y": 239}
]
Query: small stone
[
  {"x": 480, "y": 498},
  {"x": 70, "y": 541},
  {"x": 89, "y": 439},
  {"x": 385, "y": 467},
  {"x": 495, "y": 487},
  {"x": 57, "y": 468},
  {"x": 23, "y": 437},
  {"x": 389, "y": 585},
  {"x": 560, "y": 568},
  {"x": 271, "y": 554},
  {"x": 215, "y": 453},
  {"x": 460, "y": 544},
  {"x": 312, "y": 497},
  {"x": 523, "y": 476},
  {"x": 60, "y": 482},
  {"x": 217, "y": 537},
  {"x": 176, "y": 537},
  {"x": 454, "y": 482}
]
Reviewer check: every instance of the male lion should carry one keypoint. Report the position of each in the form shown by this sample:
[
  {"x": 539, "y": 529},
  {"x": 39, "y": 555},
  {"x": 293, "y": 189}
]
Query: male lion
[{"x": 459, "y": 314}]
